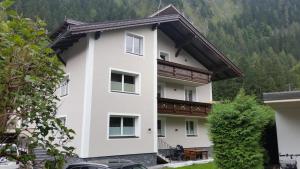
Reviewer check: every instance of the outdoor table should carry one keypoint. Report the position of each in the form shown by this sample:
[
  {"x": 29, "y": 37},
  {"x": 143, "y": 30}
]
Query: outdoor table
[{"x": 203, "y": 153}]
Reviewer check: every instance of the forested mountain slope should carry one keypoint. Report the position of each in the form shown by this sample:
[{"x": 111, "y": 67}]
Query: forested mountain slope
[{"x": 261, "y": 36}]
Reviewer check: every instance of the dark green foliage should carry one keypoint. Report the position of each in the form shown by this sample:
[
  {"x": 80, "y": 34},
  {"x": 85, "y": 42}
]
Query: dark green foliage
[
  {"x": 30, "y": 73},
  {"x": 236, "y": 129}
]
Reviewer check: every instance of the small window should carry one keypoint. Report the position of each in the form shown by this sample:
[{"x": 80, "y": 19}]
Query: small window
[
  {"x": 190, "y": 94},
  {"x": 164, "y": 56},
  {"x": 122, "y": 126},
  {"x": 134, "y": 44},
  {"x": 122, "y": 82},
  {"x": 161, "y": 125},
  {"x": 64, "y": 86},
  {"x": 63, "y": 120},
  {"x": 191, "y": 128},
  {"x": 160, "y": 91}
]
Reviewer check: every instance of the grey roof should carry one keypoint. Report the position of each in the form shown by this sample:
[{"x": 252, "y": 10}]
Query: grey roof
[
  {"x": 281, "y": 95},
  {"x": 170, "y": 22}
]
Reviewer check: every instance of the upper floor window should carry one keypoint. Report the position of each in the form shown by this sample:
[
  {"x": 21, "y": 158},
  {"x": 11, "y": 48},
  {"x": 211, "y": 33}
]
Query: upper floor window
[
  {"x": 63, "y": 120},
  {"x": 64, "y": 86},
  {"x": 190, "y": 94},
  {"x": 160, "y": 91},
  {"x": 191, "y": 127},
  {"x": 124, "y": 82},
  {"x": 134, "y": 44},
  {"x": 164, "y": 56}
]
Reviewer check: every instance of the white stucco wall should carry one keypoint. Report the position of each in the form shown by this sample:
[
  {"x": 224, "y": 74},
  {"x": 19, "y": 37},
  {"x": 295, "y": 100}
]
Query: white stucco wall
[
  {"x": 288, "y": 127},
  {"x": 176, "y": 90},
  {"x": 176, "y": 132},
  {"x": 203, "y": 93},
  {"x": 165, "y": 44},
  {"x": 71, "y": 106},
  {"x": 110, "y": 54}
]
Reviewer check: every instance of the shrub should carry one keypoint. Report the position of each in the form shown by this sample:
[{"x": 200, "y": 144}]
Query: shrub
[{"x": 236, "y": 130}]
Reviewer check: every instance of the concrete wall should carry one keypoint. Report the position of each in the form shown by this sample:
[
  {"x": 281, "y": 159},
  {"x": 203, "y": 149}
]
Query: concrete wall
[
  {"x": 176, "y": 133},
  {"x": 110, "y": 53},
  {"x": 71, "y": 106}
]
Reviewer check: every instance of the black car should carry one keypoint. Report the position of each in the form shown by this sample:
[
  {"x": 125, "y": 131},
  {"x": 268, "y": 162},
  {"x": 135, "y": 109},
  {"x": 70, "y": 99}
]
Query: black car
[{"x": 107, "y": 164}]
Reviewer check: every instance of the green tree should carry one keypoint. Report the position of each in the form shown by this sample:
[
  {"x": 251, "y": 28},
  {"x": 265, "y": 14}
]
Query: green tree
[
  {"x": 236, "y": 129},
  {"x": 30, "y": 73}
]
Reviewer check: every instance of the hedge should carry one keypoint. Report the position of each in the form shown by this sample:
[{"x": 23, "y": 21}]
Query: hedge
[{"x": 236, "y": 130}]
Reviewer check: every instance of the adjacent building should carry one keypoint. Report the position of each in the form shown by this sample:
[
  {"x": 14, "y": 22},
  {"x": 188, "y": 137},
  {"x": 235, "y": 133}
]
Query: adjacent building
[
  {"x": 287, "y": 107},
  {"x": 133, "y": 87}
]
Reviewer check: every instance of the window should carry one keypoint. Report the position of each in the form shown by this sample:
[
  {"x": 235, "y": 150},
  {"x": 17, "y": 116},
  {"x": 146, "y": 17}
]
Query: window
[
  {"x": 161, "y": 127},
  {"x": 63, "y": 120},
  {"x": 160, "y": 91},
  {"x": 64, "y": 86},
  {"x": 164, "y": 56},
  {"x": 123, "y": 82},
  {"x": 122, "y": 126},
  {"x": 191, "y": 127},
  {"x": 189, "y": 94},
  {"x": 134, "y": 44}
]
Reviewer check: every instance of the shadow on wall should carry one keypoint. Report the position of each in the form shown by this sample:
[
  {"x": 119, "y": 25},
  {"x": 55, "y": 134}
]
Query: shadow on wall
[{"x": 271, "y": 146}]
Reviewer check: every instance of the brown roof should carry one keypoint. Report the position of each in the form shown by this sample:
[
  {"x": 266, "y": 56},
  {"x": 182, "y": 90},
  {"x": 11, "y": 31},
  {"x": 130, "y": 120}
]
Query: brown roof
[{"x": 169, "y": 21}]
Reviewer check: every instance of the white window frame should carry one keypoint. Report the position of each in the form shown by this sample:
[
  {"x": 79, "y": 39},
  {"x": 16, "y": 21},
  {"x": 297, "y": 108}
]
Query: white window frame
[
  {"x": 195, "y": 121},
  {"x": 137, "y": 81},
  {"x": 59, "y": 117},
  {"x": 164, "y": 52},
  {"x": 63, "y": 116},
  {"x": 194, "y": 92},
  {"x": 163, "y": 125},
  {"x": 137, "y": 126},
  {"x": 163, "y": 89},
  {"x": 142, "y": 53},
  {"x": 67, "y": 86}
]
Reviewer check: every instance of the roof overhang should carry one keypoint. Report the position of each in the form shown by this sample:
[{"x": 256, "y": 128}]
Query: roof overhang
[
  {"x": 283, "y": 100},
  {"x": 175, "y": 26}
]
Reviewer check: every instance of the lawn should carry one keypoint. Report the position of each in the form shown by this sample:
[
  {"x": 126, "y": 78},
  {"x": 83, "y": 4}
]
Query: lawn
[{"x": 199, "y": 166}]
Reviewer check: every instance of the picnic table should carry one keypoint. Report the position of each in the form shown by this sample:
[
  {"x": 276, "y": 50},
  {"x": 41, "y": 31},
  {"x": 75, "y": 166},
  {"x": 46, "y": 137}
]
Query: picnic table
[{"x": 193, "y": 153}]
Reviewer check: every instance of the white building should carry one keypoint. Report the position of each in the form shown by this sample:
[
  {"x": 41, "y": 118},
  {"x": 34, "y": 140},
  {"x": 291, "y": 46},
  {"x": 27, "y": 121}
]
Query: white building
[
  {"x": 134, "y": 87},
  {"x": 287, "y": 107}
]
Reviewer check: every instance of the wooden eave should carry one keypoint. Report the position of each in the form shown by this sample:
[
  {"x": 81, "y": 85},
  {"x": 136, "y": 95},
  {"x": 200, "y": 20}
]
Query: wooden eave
[{"x": 175, "y": 26}]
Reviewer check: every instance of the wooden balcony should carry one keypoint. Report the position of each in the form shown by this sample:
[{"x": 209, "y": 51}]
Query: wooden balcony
[
  {"x": 183, "y": 72},
  {"x": 180, "y": 107}
]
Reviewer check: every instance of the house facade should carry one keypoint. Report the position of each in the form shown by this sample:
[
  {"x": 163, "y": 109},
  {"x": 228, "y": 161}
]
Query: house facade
[
  {"x": 287, "y": 107},
  {"x": 135, "y": 87}
]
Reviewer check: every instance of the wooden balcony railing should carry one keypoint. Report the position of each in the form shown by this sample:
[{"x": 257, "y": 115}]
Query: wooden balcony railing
[
  {"x": 180, "y": 107},
  {"x": 182, "y": 72}
]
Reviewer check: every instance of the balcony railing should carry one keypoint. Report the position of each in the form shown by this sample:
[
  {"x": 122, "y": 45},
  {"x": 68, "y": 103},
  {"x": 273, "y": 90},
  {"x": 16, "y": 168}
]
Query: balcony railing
[
  {"x": 180, "y": 107},
  {"x": 182, "y": 72}
]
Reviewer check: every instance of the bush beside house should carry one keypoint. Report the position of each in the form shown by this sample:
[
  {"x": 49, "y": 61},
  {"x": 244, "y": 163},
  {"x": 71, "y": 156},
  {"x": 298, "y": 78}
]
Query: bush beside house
[{"x": 236, "y": 129}]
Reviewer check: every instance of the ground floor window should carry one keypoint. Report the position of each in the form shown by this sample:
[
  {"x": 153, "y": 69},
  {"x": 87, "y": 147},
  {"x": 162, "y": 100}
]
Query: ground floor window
[
  {"x": 122, "y": 126},
  {"x": 191, "y": 127},
  {"x": 161, "y": 127}
]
